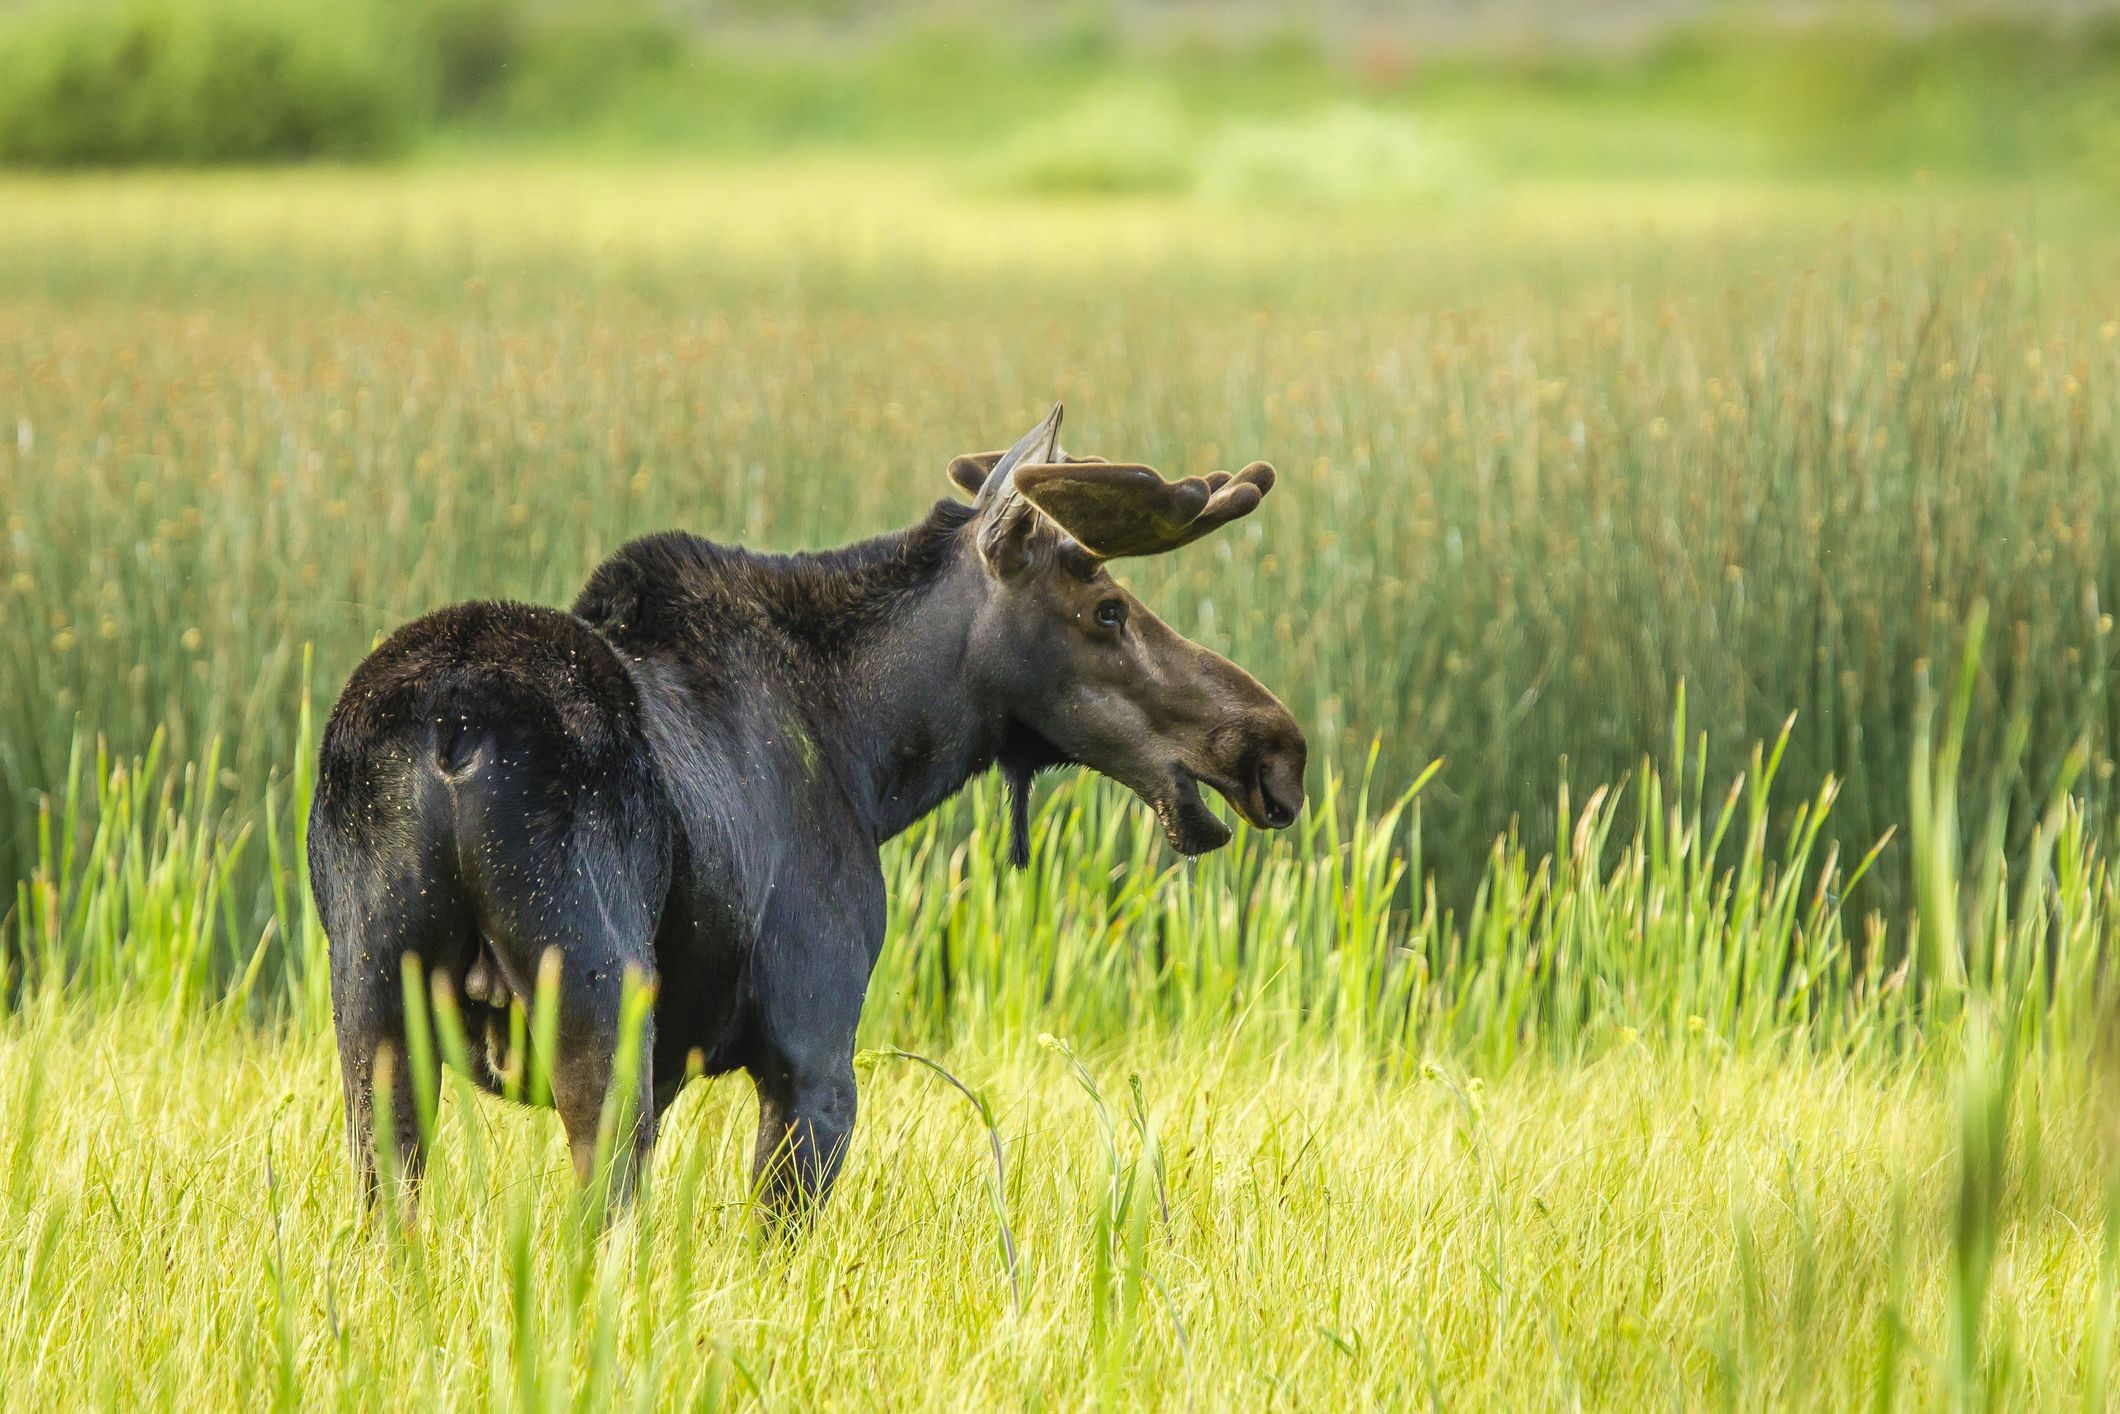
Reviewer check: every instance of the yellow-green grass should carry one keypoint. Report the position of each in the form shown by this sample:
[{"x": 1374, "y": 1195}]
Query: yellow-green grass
[{"x": 1672, "y": 1226}]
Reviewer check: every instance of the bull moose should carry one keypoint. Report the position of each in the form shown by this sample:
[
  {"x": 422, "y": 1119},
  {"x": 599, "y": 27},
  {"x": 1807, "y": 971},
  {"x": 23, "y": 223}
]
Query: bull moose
[{"x": 689, "y": 777}]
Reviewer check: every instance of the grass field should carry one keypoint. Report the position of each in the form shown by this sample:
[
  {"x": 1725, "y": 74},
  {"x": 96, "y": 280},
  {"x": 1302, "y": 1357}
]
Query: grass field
[
  {"x": 1658, "y": 1227},
  {"x": 1542, "y": 1065}
]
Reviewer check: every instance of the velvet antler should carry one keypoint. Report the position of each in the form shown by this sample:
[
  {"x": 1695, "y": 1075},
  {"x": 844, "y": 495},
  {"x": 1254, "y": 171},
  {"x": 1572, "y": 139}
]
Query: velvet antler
[{"x": 1117, "y": 509}]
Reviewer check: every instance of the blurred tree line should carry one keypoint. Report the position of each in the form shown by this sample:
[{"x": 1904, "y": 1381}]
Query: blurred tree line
[
  {"x": 1715, "y": 89},
  {"x": 114, "y": 82}
]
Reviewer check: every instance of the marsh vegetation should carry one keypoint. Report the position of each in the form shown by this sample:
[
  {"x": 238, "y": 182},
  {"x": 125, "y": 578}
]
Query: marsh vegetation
[{"x": 1691, "y": 979}]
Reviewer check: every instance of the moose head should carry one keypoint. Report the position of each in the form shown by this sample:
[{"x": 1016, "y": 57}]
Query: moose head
[{"x": 1091, "y": 676}]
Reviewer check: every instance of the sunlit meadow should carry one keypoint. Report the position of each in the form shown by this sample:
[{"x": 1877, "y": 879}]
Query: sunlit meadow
[{"x": 1689, "y": 984}]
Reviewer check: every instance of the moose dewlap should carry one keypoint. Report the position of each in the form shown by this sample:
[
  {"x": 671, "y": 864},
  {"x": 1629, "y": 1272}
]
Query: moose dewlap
[{"x": 687, "y": 778}]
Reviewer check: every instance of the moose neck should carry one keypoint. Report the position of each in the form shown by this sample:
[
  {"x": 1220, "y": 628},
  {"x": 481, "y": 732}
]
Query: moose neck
[{"x": 914, "y": 728}]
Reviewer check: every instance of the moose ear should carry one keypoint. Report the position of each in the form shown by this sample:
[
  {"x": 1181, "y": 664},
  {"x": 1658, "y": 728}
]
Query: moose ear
[
  {"x": 1117, "y": 509},
  {"x": 1007, "y": 522},
  {"x": 970, "y": 471}
]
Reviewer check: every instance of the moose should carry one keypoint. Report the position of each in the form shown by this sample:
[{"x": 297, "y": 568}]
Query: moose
[{"x": 689, "y": 776}]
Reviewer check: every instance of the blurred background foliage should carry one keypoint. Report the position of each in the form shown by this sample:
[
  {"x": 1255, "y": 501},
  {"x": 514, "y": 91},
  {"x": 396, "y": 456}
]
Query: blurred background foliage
[{"x": 1132, "y": 96}]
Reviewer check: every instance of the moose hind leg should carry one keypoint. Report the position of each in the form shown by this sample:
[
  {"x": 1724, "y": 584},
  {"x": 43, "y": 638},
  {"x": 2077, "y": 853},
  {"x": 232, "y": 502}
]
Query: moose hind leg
[
  {"x": 571, "y": 862},
  {"x": 597, "y": 922},
  {"x": 592, "y": 1022},
  {"x": 375, "y": 1067}
]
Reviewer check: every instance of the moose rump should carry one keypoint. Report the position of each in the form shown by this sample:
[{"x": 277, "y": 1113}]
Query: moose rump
[{"x": 485, "y": 795}]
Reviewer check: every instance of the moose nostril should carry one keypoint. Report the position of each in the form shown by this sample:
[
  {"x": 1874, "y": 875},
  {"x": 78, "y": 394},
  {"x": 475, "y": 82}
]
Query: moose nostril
[{"x": 1277, "y": 813}]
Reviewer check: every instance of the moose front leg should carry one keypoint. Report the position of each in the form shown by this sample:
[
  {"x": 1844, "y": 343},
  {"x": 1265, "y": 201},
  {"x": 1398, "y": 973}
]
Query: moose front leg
[
  {"x": 809, "y": 974},
  {"x": 805, "y": 1118}
]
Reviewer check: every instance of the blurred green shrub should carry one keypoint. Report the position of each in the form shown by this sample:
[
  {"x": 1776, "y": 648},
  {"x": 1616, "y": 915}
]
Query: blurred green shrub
[
  {"x": 583, "y": 62},
  {"x": 1849, "y": 92},
  {"x": 471, "y": 47},
  {"x": 1992, "y": 94},
  {"x": 1108, "y": 140},
  {"x": 119, "y": 82},
  {"x": 1346, "y": 155},
  {"x": 109, "y": 82},
  {"x": 1119, "y": 141}
]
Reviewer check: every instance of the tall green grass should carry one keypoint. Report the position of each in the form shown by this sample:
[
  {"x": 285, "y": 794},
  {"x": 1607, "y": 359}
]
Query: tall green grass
[
  {"x": 1670, "y": 908},
  {"x": 1256, "y": 1152},
  {"x": 1530, "y": 484},
  {"x": 1347, "y": 1162}
]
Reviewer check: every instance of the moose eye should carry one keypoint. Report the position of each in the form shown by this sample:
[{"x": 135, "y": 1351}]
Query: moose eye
[{"x": 1111, "y": 613}]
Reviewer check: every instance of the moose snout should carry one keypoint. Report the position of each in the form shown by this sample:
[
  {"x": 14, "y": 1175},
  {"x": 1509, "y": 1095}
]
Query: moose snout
[
  {"x": 1277, "y": 785},
  {"x": 1272, "y": 779},
  {"x": 1280, "y": 791}
]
